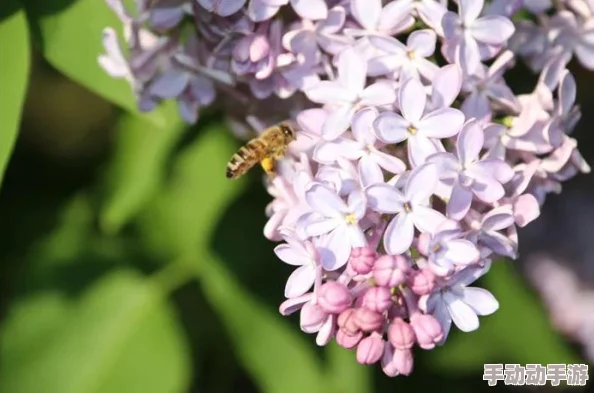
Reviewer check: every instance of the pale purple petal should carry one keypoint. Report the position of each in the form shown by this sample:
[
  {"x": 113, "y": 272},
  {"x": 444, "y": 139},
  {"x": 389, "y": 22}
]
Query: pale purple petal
[
  {"x": 385, "y": 199},
  {"x": 352, "y": 70},
  {"x": 315, "y": 225},
  {"x": 334, "y": 22},
  {"x": 337, "y": 122},
  {"x": 326, "y": 202},
  {"x": 367, "y": 12},
  {"x": 300, "y": 281},
  {"x": 468, "y": 275},
  {"x": 223, "y": 8},
  {"x": 310, "y": 9},
  {"x": 468, "y": 55},
  {"x": 388, "y": 44},
  {"x": 462, "y": 314},
  {"x": 412, "y": 99},
  {"x": 498, "y": 219},
  {"x": 469, "y": 10},
  {"x": 328, "y": 152},
  {"x": 378, "y": 94},
  {"x": 421, "y": 183},
  {"x": 481, "y": 300},
  {"x": 459, "y": 202},
  {"x": 390, "y": 127},
  {"x": 461, "y": 251},
  {"x": 395, "y": 16},
  {"x": 422, "y": 42},
  {"x": 443, "y": 317},
  {"x": 492, "y": 168},
  {"x": 567, "y": 92},
  {"x": 357, "y": 203},
  {"x": 388, "y": 162},
  {"x": 369, "y": 171},
  {"x": 295, "y": 256},
  {"x": 441, "y": 123},
  {"x": 426, "y": 219},
  {"x": 488, "y": 190},
  {"x": 169, "y": 84},
  {"x": 492, "y": 29},
  {"x": 259, "y": 11},
  {"x": 421, "y": 147},
  {"x": 477, "y": 105},
  {"x": 447, "y": 164},
  {"x": 362, "y": 125},
  {"x": 446, "y": 85},
  {"x": 499, "y": 244},
  {"x": 470, "y": 142},
  {"x": 399, "y": 234},
  {"x": 337, "y": 248},
  {"x": 327, "y": 92}
]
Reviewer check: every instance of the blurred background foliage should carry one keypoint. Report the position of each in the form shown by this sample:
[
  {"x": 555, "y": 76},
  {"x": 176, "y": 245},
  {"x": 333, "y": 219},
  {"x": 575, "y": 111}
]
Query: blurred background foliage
[{"x": 129, "y": 263}]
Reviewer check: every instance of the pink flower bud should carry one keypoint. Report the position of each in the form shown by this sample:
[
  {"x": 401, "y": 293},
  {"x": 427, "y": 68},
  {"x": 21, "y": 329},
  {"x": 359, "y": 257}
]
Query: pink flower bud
[
  {"x": 422, "y": 282},
  {"x": 400, "y": 334},
  {"x": 346, "y": 340},
  {"x": 403, "y": 360},
  {"x": 427, "y": 330},
  {"x": 368, "y": 320},
  {"x": 346, "y": 321},
  {"x": 362, "y": 259},
  {"x": 334, "y": 298},
  {"x": 370, "y": 349},
  {"x": 390, "y": 270},
  {"x": 311, "y": 318},
  {"x": 423, "y": 243},
  {"x": 378, "y": 299},
  {"x": 397, "y": 361}
]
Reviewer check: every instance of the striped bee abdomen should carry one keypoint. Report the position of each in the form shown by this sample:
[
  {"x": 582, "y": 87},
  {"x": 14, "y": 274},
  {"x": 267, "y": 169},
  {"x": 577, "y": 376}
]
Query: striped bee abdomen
[{"x": 245, "y": 158}]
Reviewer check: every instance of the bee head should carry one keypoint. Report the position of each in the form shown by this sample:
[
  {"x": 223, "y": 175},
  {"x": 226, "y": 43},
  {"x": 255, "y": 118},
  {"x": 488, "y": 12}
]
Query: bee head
[{"x": 288, "y": 131}]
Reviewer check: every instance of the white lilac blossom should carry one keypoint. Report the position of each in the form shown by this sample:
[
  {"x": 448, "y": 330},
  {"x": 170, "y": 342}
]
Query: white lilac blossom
[{"x": 415, "y": 161}]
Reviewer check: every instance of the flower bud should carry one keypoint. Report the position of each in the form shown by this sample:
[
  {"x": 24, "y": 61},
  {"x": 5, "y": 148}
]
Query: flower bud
[
  {"x": 390, "y": 270},
  {"x": 370, "y": 349},
  {"x": 423, "y": 242},
  {"x": 400, "y": 334},
  {"x": 346, "y": 340},
  {"x": 403, "y": 360},
  {"x": 311, "y": 318},
  {"x": 422, "y": 282},
  {"x": 378, "y": 299},
  {"x": 346, "y": 321},
  {"x": 334, "y": 298},
  {"x": 368, "y": 320},
  {"x": 362, "y": 259},
  {"x": 427, "y": 330}
]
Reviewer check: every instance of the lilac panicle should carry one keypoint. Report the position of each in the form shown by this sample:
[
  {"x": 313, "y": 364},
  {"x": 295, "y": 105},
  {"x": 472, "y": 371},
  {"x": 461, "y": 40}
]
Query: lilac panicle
[{"x": 410, "y": 174}]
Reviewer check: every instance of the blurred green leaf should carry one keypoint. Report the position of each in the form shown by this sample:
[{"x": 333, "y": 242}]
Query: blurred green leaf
[
  {"x": 345, "y": 374},
  {"x": 137, "y": 168},
  {"x": 278, "y": 357},
  {"x": 120, "y": 336},
  {"x": 71, "y": 40},
  {"x": 182, "y": 217},
  {"x": 14, "y": 63},
  {"x": 519, "y": 332}
]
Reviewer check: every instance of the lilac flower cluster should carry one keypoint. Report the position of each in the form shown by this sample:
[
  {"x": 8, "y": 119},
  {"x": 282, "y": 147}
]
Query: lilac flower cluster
[{"x": 415, "y": 162}]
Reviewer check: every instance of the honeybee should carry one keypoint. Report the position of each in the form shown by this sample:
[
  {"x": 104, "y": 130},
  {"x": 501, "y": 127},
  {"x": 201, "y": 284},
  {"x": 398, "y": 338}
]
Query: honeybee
[{"x": 265, "y": 149}]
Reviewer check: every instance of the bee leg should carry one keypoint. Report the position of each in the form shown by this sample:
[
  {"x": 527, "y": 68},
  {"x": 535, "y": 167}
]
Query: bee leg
[{"x": 269, "y": 165}]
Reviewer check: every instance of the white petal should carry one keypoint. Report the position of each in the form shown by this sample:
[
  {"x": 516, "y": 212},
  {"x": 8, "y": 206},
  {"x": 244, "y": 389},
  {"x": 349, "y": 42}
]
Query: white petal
[
  {"x": 481, "y": 300},
  {"x": 399, "y": 234},
  {"x": 300, "y": 281},
  {"x": 462, "y": 314}
]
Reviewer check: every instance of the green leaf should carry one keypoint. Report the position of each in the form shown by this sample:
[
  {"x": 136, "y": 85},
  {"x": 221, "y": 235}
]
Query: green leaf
[
  {"x": 137, "y": 168},
  {"x": 14, "y": 63},
  {"x": 71, "y": 40},
  {"x": 183, "y": 216},
  {"x": 345, "y": 374},
  {"x": 277, "y": 356},
  {"x": 120, "y": 336},
  {"x": 519, "y": 332}
]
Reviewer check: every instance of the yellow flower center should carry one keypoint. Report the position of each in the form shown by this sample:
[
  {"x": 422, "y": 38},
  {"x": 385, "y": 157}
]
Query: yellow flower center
[
  {"x": 411, "y": 54},
  {"x": 351, "y": 219},
  {"x": 412, "y": 130}
]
